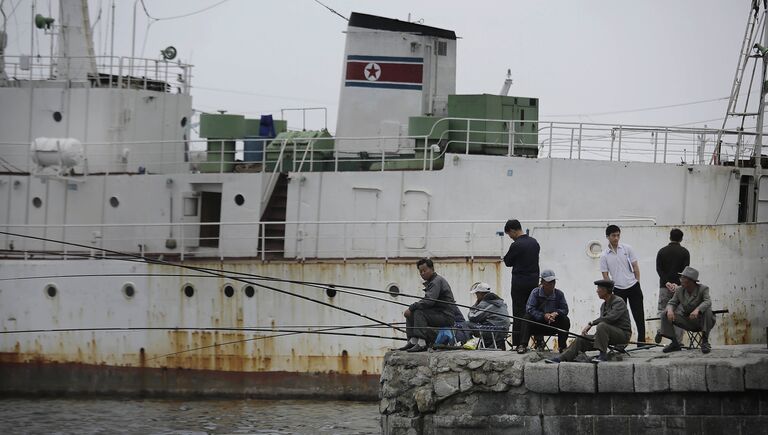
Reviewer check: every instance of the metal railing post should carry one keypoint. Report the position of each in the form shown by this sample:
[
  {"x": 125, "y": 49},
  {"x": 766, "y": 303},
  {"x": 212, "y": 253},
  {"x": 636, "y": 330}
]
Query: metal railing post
[
  {"x": 570, "y": 151},
  {"x": 466, "y": 142},
  {"x": 666, "y": 136},
  {"x": 579, "y": 150},
  {"x": 655, "y": 145},
  {"x": 551, "y": 127},
  {"x": 618, "y": 155}
]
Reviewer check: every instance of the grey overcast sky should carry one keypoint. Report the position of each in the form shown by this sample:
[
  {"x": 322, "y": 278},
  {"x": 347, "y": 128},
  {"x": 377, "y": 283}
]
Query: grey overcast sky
[{"x": 581, "y": 58}]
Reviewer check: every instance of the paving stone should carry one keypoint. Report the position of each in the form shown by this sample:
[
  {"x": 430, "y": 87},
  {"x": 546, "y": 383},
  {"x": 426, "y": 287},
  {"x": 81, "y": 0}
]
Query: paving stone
[
  {"x": 616, "y": 377},
  {"x": 666, "y": 404},
  {"x": 577, "y": 377},
  {"x": 756, "y": 375},
  {"x": 650, "y": 378},
  {"x": 721, "y": 425},
  {"x": 446, "y": 384},
  {"x": 629, "y": 404},
  {"x": 593, "y": 404},
  {"x": 611, "y": 425},
  {"x": 722, "y": 375},
  {"x": 558, "y": 404},
  {"x": 541, "y": 377},
  {"x": 522, "y": 404},
  {"x": 703, "y": 404},
  {"x": 741, "y": 404},
  {"x": 649, "y": 424},
  {"x": 567, "y": 425},
  {"x": 688, "y": 377}
]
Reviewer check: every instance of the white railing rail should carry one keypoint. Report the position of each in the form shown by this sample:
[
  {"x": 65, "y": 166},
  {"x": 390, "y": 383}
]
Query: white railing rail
[
  {"x": 117, "y": 71},
  {"x": 587, "y": 141},
  {"x": 302, "y": 239}
]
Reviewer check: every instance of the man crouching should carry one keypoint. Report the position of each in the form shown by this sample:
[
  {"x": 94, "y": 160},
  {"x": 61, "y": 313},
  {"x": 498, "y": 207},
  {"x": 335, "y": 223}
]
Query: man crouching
[
  {"x": 423, "y": 318},
  {"x": 613, "y": 327}
]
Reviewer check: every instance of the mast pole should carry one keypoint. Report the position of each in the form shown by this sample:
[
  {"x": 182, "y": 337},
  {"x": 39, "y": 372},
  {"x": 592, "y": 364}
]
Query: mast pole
[{"x": 759, "y": 127}]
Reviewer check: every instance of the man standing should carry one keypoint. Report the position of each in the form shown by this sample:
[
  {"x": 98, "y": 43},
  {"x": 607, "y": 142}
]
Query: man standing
[
  {"x": 690, "y": 308},
  {"x": 523, "y": 258},
  {"x": 670, "y": 261},
  {"x": 618, "y": 263},
  {"x": 613, "y": 327},
  {"x": 547, "y": 307},
  {"x": 423, "y": 318}
]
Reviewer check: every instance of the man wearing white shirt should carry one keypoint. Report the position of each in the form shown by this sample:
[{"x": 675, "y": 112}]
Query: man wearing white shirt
[{"x": 619, "y": 264}]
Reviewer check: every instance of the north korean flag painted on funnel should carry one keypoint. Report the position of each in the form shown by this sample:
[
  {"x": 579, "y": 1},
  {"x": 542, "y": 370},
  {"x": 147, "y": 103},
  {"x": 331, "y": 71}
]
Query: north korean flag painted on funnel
[{"x": 386, "y": 72}]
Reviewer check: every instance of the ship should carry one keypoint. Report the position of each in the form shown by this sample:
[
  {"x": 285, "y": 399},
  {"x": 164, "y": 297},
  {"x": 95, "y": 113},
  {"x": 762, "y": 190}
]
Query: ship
[{"x": 277, "y": 263}]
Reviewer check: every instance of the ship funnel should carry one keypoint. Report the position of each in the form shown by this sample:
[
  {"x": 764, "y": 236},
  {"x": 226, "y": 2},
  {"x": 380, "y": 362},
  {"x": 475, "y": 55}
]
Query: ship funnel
[{"x": 392, "y": 70}]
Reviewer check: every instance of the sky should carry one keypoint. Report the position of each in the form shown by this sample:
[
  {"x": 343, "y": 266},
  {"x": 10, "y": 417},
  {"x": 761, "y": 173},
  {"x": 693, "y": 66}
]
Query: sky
[{"x": 591, "y": 61}]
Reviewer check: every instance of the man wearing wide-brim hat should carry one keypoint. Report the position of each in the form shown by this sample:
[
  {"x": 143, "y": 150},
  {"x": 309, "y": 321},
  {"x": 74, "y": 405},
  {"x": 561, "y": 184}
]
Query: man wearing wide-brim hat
[{"x": 690, "y": 309}]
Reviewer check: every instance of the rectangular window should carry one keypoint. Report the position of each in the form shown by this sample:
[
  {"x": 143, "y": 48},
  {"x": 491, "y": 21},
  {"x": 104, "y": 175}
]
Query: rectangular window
[{"x": 442, "y": 48}]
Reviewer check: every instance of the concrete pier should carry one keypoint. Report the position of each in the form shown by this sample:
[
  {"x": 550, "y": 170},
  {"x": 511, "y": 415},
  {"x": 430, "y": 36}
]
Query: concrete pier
[{"x": 496, "y": 392}]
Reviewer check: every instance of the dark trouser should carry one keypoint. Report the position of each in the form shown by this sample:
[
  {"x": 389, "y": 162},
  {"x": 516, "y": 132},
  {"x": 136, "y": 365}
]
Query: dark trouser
[
  {"x": 634, "y": 297},
  {"x": 521, "y": 289},
  {"x": 664, "y": 296},
  {"x": 606, "y": 334},
  {"x": 422, "y": 324},
  {"x": 704, "y": 323},
  {"x": 543, "y": 328}
]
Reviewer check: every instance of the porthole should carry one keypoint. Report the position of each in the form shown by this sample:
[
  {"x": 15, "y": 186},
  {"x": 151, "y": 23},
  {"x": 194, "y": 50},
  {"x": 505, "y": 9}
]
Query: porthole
[
  {"x": 189, "y": 290},
  {"x": 37, "y": 202},
  {"x": 114, "y": 202},
  {"x": 239, "y": 199},
  {"x": 229, "y": 291},
  {"x": 51, "y": 290},
  {"x": 57, "y": 116},
  {"x": 330, "y": 291},
  {"x": 394, "y": 290},
  {"x": 594, "y": 249},
  {"x": 129, "y": 290},
  {"x": 184, "y": 121},
  {"x": 249, "y": 291}
]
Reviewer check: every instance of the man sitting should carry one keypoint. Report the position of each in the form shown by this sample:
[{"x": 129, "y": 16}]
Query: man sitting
[
  {"x": 425, "y": 317},
  {"x": 488, "y": 317},
  {"x": 690, "y": 309},
  {"x": 547, "y": 307},
  {"x": 613, "y": 327}
]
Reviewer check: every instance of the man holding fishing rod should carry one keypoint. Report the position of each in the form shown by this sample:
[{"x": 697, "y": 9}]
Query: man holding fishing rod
[{"x": 435, "y": 310}]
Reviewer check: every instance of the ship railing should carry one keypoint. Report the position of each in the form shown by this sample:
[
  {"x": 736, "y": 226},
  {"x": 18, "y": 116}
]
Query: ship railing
[
  {"x": 111, "y": 71},
  {"x": 301, "y": 240},
  {"x": 577, "y": 141}
]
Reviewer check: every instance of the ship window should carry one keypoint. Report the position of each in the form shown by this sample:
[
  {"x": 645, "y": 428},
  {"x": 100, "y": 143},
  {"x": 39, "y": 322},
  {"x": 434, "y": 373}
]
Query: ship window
[
  {"x": 57, "y": 116},
  {"x": 249, "y": 291},
  {"x": 442, "y": 48},
  {"x": 239, "y": 199},
  {"x": 229, "y": 291},
  {"x": 114, "y": 202},
  {"x": 189, "y": 290},
  {"x": 129, "y": 290},
  {"x": 190, "y": 206},
  {"x": 51, "y": 290},
  {"x": 393, "y": 290},
  {"x": 330, "y": 291},
  {"x": 37, "y": 202}
]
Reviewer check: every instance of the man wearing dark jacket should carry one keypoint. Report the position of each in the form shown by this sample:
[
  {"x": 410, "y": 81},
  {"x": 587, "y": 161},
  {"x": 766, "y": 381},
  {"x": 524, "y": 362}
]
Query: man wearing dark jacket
[
  {"x": 547, "y": 308},
  {"x": 437, "y": 309},
  {"x": 670, "y": 261},
  {"x": 613, "y": 327},
  {"x": 489, "y": 317},
  {"x": 523, "y": 258}
]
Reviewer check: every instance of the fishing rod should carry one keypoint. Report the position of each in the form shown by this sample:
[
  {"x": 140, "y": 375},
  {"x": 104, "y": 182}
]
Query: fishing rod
[
  {"x": 183, "y": 266},
  {"x": 218, "y": 272}
]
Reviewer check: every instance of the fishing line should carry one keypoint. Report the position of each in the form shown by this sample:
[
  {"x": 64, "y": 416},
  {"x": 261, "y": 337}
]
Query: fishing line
[{"x": 183, "y": 266}]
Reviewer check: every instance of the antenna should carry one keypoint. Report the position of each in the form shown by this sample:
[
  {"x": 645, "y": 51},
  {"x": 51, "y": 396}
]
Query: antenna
[{"x": 507, "y": 84}]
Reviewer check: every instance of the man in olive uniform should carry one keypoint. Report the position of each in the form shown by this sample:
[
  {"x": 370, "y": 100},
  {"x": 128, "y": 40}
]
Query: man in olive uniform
[
  {"x": 613, "y": 327},
  {"x": 690, "y": 309}
]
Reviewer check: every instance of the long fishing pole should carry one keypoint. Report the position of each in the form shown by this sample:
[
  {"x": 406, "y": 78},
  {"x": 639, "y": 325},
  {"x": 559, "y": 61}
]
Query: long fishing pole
[{"x": 168, "y": 263}]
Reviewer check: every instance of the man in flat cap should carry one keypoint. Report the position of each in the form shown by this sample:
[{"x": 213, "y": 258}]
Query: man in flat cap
[
  {"x": 690, "y": 308},
  {"x": 546, "y": 308},
  {"x": 613, "y": 327}
]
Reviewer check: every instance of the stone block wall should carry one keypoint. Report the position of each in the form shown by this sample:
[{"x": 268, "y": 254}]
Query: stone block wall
[{"x": 489, "y": 392}]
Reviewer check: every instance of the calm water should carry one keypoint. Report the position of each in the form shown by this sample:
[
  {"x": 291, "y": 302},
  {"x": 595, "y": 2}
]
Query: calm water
[{"x": 75, "y": 416}]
